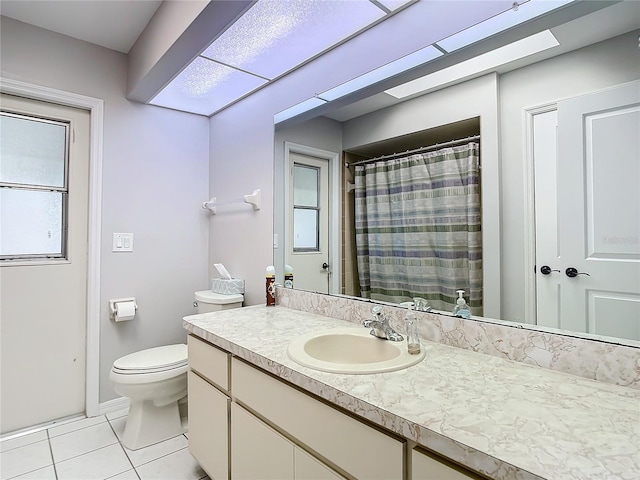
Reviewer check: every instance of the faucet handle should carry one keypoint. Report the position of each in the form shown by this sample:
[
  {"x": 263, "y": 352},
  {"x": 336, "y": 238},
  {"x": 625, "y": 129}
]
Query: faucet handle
[
  {"x": 421, "y": 304},
  {"x": 377, "y": 310}
]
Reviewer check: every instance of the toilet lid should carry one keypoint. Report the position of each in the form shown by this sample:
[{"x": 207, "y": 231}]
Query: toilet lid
[{"x": 153, "y": 359}]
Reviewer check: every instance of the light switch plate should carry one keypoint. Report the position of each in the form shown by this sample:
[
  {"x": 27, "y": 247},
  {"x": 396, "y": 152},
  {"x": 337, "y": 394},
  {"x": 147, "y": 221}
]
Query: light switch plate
[{"x": 122, "y": 242}]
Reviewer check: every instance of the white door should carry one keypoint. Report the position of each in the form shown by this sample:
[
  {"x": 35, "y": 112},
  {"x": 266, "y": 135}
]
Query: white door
[
  {"x": 308, "y": 250},
  {"x": 43, "y": 239},
  {"x": 597, "y": 250}
]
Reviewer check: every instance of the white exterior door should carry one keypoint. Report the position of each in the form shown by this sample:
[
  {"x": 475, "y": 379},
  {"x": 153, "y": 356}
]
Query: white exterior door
[
  {"x": 308, "y": 245},
  {"x": 43, "y": 302},
  {"x": 598, "y": 217}
]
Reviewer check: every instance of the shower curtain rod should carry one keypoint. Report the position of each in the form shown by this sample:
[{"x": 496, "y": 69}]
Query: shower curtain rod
[{"x": 417, "y": 150}]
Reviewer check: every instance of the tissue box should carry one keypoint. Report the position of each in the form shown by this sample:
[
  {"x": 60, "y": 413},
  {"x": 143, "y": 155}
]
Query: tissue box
[{"x": 227, "y": 286}]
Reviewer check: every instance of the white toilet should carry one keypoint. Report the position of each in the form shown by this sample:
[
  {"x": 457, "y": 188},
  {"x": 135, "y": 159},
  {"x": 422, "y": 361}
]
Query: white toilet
[{"x": 155, "y": 381}]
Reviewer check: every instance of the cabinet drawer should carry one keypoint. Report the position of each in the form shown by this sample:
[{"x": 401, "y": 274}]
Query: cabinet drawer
[
  {"x": 427, "y": 466},
  {"x": 209, "y": 361},
  {"x": 348, "y": 443}
]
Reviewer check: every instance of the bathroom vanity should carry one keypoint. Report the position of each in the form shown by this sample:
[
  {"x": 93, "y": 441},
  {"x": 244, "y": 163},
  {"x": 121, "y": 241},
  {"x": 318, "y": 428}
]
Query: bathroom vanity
[{"x": 255, "y": 413}]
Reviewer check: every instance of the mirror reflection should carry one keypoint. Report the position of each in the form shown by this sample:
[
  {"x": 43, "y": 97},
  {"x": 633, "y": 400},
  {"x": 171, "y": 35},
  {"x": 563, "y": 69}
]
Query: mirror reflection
[{"x": 536, "y": 199}]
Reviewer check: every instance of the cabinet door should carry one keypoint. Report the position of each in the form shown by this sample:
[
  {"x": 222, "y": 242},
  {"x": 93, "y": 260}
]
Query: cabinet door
[
  {"x": 425, "y": 466},
  {"x": 258, "y": 451},
  {"x": 209, "y": 427},
  {"x": 343, "y": 440},
  {"x": 310, "y": 468}
]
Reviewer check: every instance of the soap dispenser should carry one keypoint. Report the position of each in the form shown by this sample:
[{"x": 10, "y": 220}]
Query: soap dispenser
[
  {"x": 462, "y": 309},
  {"x": 413, "y": 338}
]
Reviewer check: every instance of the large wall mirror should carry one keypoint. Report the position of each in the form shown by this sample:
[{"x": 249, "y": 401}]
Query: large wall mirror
[{"x": 568, "y": 202}]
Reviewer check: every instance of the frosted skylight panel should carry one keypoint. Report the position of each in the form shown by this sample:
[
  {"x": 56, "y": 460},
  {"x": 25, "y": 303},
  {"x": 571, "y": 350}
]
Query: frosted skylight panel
[
  {"x": 482, "y": 63},
  {"x": 275, "y": 36},
  {"x": 499, "y": 23},
  {"x": 205, "y": 87}
]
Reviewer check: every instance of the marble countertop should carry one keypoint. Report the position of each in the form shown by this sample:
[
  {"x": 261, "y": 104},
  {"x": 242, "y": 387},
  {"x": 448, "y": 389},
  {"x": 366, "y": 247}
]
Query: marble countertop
[{"x": 502, "y": 418}]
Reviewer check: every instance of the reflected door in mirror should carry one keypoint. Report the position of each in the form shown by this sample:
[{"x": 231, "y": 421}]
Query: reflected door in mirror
[
  {"x": 594, "y": 226},
  {"x": 309, "y": 226}
]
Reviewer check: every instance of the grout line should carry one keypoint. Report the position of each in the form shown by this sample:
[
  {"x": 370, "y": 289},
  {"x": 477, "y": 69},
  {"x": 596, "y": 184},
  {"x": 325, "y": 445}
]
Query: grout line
[
  {"x": 123, "y": 449},
  {"x": 53, "y": 460},
  {"x": 78, "y": 429},
  {"x": 87, "y": 452},
  {"x": 161, "y": 456}
]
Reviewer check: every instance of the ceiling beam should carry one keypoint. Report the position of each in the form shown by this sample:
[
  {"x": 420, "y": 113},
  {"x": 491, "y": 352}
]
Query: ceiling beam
[{"x": 175, "y": 35}]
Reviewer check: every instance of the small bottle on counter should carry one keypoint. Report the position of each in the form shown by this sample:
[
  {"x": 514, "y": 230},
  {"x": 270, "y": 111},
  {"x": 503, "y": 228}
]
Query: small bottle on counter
[
  {"x": 413, "y": 338},
  {"x": 461, "y": 309},
  {"x": 271, "y": 285},
  {"x": 288, "y": 276}
]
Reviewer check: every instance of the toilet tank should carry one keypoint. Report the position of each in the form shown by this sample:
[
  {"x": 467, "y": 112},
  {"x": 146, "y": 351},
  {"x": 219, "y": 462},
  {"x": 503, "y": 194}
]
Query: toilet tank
[{"x": 209, "y": 301}]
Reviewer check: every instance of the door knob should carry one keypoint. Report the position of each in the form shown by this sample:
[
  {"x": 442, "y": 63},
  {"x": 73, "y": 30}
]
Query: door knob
[
  {"x": 573, "y": 272},
  {"x": 546, "y": 270},
  {"x": 325, "y": 265}
]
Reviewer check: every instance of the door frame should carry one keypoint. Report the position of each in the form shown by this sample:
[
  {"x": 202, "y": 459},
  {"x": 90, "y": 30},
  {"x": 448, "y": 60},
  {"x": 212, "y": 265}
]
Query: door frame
[
  {"x": 530, "y": 315},
  {"x": 335, "y": 250},
  {"x": 95, "y": 106}
]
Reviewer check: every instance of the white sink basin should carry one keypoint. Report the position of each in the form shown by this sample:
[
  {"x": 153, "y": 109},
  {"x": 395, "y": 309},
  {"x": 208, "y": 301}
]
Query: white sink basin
[{"x": 351, "y": 350}]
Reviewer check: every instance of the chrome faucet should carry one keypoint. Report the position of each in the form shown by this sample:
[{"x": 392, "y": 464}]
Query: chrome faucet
[
  {"x": 422, "y": 305},
  {"x": 380, "y": 326}
]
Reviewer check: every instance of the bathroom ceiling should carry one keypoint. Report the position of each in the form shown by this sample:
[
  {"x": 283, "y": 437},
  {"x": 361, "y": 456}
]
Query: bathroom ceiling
[
  {"x": 117, "y": 25},
  {"x": 108, "y": 23}
]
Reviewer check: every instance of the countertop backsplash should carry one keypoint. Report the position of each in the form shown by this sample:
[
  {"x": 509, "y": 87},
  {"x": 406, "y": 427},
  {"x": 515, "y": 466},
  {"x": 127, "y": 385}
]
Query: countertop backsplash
[{"x": 596, "y": 360}]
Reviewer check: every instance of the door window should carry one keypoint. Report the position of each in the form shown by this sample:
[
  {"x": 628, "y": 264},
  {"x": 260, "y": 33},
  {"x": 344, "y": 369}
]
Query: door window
[
  {"x": 33, "y": 187},
  {"x": 306, "y": 208}
]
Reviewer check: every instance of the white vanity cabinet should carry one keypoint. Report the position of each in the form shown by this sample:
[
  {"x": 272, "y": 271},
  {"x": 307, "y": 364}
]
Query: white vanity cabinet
[
  {"x": 208, "y": 384},
  {"x": 246, "y": 424}
]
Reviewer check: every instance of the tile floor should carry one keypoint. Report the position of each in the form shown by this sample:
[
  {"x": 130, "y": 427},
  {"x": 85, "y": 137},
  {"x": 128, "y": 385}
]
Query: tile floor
[{"x": 89, "y": 449}]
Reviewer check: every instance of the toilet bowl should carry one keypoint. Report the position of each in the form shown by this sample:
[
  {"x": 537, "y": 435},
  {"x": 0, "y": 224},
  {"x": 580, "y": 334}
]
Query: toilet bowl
[{"x": 155, "y": 381}]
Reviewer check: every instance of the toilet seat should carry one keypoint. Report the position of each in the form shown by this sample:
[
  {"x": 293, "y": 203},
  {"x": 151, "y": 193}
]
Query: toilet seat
[{"x": 169, "y": 359}]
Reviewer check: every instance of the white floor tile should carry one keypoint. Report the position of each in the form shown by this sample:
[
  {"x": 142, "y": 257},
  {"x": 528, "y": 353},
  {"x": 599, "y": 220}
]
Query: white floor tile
[
  {"x": 123, "y": 412},
  {"x": 76, "y": 425},
  {"x": 179, "y": 464},
  {"x": 118, "y": 425},
  {"x": 46, "y": 473},
  {"x": 97, "y": 465},
  {"x": 25, "y": 459},
  {"x": 82, "y": 441},
  {"x": 23, "y": 440},
  {"x": 153, "y": 452},
  {"x": 128, "y": 475}
]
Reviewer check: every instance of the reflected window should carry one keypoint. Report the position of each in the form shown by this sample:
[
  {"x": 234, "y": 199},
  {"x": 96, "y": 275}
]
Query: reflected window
[
  {"x": 306, "y": 208},
  {"x": 33, "y": 187}
]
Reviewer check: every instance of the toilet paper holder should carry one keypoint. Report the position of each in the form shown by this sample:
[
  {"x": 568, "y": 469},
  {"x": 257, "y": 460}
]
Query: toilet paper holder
[{"x": 113, "y": 305}]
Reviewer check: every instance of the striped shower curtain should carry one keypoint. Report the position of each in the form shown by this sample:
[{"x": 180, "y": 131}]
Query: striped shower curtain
[{"x": 418, "y": 227}]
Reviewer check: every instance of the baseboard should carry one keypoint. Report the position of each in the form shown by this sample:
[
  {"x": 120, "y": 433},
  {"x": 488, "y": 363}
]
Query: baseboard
[{"x": 113, "y": 405}]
